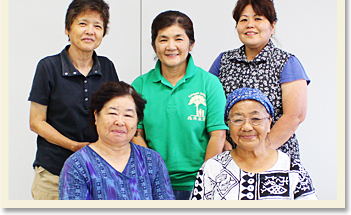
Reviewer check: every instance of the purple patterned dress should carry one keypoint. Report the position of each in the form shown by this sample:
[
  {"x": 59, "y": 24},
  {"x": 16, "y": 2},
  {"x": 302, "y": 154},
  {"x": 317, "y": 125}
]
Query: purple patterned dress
[{"x": 86, "y": 175}]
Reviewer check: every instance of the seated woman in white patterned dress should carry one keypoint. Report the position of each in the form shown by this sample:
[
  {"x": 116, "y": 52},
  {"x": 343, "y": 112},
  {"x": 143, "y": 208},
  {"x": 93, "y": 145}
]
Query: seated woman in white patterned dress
[{"x": 252, "y": 171}]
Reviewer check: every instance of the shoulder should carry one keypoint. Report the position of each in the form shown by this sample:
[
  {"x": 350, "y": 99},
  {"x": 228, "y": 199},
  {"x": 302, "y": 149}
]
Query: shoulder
[
  {"x": 221, "y": 159},
  {"x": 50, "y": 60},
  {"x": 143, "y": 80},
  {"x": 147, "y": 153},
  {"x": 280, "y": 52},
  {"x": 79, "y": 156},
  {"x": 103, "y": 59}
]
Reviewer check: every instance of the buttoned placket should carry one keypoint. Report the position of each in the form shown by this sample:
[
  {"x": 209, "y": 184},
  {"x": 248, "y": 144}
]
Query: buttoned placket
[{"x": 86, "y": 95}]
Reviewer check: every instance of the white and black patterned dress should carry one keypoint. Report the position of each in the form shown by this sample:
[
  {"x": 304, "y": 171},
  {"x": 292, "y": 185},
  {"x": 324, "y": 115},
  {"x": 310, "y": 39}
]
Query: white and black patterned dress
[
  {"x": 264, "y": 73},
  {"x": 221, "y": 179}
]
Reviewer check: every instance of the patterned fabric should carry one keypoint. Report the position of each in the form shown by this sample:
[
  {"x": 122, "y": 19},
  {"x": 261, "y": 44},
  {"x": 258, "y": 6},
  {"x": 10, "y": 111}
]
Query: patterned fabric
[
  {"x": 86, "y": 175},
  {"x": 263, "y": 73},
  {"x": 248, "y": 93},
  {"x": 221, "y": 179}
]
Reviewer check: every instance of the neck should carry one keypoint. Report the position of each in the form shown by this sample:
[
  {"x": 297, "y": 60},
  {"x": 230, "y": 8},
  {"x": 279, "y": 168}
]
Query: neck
[
  {"x": 116, "y": 156},
  {"x": 255, "y": 161},
  {"x": 82, "y": 61},
  {"x": 173, "y": 74},
  {"x": 113, "y": 150},
  {"x": 251, "y": 53}
]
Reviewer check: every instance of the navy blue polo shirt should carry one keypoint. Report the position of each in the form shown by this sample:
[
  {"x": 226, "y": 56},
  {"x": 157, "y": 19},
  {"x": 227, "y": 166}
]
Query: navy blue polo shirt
[{"x": 66, "y": 92}]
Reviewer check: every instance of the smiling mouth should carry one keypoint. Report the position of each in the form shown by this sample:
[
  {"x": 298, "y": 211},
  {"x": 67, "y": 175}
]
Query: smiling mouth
[
  {"x": 251, "y": 33},
  {"x": 248, "y": 137},
  {"x": 118, "y": 132},
  {"x": 172, "y": 55},
  {"x": 88, "y": 40}
]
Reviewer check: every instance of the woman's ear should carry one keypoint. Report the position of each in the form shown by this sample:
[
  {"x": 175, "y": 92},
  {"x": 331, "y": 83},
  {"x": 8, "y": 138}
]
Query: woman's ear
[
  {"x": 191, "y": 46},
  {"x": 96, "y": 114}
]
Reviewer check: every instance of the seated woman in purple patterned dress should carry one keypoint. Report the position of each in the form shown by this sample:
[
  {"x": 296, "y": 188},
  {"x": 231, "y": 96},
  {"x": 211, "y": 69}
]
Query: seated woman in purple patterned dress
[
  {"x": 253, "y": 170},
  {"x": 113, "y": 168}
]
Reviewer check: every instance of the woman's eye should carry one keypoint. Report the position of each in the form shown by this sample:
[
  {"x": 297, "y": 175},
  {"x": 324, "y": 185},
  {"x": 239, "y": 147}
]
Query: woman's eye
[
  {"x": 258, "y": 18},
  {"x": 242, "y": 20},
  {"x": 98, "y": 26}
]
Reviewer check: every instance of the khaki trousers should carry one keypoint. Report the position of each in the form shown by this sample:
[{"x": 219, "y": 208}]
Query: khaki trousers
[{"x": 45, "y": 185}]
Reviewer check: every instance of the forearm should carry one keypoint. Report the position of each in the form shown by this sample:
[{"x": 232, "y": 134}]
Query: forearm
[
  {"x": 140, "y": 139},
  {"x": 215, "y": 144},
  {"x": 283, "y": 129},
  {"x": 46, "y": 131}
]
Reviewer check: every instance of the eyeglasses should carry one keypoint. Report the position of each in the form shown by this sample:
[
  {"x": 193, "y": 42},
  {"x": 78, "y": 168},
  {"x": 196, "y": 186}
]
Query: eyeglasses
[{"x": 253, "y": 121}]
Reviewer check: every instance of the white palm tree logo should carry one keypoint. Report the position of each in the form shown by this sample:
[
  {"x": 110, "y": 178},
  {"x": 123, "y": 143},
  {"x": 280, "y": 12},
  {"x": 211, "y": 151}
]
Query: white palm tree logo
[{"x": 198, "y": 100}]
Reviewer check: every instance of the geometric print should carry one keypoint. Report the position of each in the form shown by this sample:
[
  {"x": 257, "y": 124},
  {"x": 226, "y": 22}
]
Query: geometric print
[
  {"x": 220, "y": 178},
  {"x": 263, "y": 73}
]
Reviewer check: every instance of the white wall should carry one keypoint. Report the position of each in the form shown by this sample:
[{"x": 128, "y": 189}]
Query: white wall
[{"x": 305, "y": 28}]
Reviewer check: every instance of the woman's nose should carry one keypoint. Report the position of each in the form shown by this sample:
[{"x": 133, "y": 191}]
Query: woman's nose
[
  {"x": 119, "y": 121},
  {"x": 250, "y": 23},
  {"x": 246, "y": 126},
  {"x": 171, "y": 45},
  {"x": 89, "y": 30}
]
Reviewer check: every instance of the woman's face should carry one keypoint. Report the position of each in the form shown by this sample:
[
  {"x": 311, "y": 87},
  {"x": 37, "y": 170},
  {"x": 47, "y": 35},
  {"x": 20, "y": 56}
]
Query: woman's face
[
  {"x": 117, "y": 121},
  {"x": 172, "y": 46},
  {"x": 249, "y": 136},
  {"x": 254, "y": 31},
  {"x": 86, "y": 31}
]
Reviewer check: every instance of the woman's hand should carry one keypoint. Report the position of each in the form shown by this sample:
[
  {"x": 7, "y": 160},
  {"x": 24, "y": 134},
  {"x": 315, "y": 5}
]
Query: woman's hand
[{"x": 39, "y": 125}]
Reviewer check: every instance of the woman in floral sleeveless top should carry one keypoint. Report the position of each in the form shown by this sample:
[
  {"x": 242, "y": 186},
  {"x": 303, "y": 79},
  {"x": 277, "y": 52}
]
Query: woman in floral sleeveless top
[{"x": 259, "y": 64}]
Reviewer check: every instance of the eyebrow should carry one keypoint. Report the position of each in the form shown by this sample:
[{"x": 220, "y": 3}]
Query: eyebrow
[
  {"x": 86, "y": 20},
  {"x": 177, "y": 35},
  {"x": 255, "y": 112},
  {"x": 248, "y": 16},
  {"x": 113, "y": 108}
]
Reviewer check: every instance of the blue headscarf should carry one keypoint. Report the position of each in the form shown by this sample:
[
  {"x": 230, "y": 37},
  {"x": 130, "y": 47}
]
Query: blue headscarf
[{"x": 248, "y": 93}]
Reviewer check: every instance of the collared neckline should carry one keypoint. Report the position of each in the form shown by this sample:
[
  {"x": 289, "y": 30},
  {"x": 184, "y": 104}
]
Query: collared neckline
[
  {"x": 264, "y": 55},
  {"x": 190, "y": 71},
  {"x": 69, "y": 70}
]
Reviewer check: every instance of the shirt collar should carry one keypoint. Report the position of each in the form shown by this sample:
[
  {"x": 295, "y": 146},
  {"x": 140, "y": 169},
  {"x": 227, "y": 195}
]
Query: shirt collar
[
  {"x": 190, "y": 70},
  {"x": 262, "y": 56},
  {"x": 69, "y": 70}
]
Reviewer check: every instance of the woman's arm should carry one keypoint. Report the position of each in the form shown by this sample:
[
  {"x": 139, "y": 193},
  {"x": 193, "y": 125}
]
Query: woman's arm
[
  {"x": 140, "y": 138},
  {"x": 163, "y": 190},
  {"x": 72, "y": 185},
  {"x": 215, "y": 144},
  {"x": 39, "y": 125},
  {"x": 294, "y": 101}
]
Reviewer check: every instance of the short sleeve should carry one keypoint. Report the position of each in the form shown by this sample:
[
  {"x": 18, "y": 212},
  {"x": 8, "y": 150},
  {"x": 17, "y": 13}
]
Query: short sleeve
[
  {"x": 40, "y": 92},
  {"x": 72, "y": 185},
  {"x": 137, "y": 85},
  {"x": 293, "y": 70},
  {"x": 216, "y": 65},
  {"x": 198, "y": 192},
  {"x": 216, "y": 101},
  {"x": 162, "y": 189},
  {"x": 304, "y": 189}
]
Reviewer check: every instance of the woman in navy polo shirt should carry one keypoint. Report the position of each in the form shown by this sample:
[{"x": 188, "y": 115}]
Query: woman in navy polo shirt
[{"x": 61, "y": 93}]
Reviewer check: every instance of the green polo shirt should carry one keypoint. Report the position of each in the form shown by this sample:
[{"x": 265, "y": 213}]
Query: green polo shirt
[{"x": 178, "y": 119}]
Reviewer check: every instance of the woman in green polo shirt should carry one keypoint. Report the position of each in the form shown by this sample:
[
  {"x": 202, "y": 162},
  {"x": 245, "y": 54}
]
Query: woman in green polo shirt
[{"x": 185, "y": 105}]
